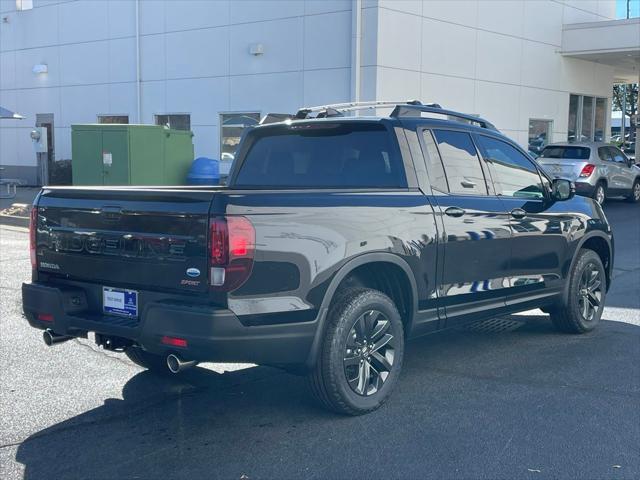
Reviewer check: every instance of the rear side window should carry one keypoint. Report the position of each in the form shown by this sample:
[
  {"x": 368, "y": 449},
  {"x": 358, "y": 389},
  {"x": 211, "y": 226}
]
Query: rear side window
[
  {"x": 461, "y": 162},
  {"x": 514, "y": 175},
  {"x": 604, "y": 154},
  {"x": 322, "y": 155},
  {"x": 575, "y": 153},
  {"x": 435, "y": 170}
]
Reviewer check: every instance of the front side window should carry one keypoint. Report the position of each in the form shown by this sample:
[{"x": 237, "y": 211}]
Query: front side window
[
  {"x": 322, "y": 155},
  {"x": 461, "y": 162},
  {"x": 617, "y": 155},
  {"x": 514, "y": 175},
  {"x": 174, "y": 121}
]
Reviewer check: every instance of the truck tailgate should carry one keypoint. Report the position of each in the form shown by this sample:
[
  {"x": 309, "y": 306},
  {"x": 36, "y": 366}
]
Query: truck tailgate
[{"x": 152, "y": 239}]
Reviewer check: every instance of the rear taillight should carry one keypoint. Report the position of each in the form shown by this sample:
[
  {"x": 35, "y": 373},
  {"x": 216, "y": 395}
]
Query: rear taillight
[
  {"x": 174, "y": 341},
  {"x": 33, "y": 230},
  {"x": 587, "y": 170},
  {"x": 45, "y": 317},
  {"x": 231, "y": 249}
]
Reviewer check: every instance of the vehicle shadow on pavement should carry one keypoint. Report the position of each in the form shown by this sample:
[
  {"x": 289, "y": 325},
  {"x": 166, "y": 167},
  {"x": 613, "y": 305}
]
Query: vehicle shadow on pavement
[{"x": 500, "y": 400}]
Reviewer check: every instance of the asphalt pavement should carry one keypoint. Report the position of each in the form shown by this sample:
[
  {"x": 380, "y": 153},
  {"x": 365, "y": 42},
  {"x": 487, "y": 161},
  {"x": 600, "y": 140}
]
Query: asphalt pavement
[{"x": 511, "y": 400}]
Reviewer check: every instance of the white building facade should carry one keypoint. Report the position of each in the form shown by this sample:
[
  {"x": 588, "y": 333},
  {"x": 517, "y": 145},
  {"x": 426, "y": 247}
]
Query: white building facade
[{"x": 214, "y": 65}]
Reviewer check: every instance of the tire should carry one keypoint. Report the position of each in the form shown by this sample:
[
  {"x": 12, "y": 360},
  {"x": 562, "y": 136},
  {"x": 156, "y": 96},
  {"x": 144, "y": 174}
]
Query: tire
[
  {"x": 150, "y": 361},
  {"x": 339, "y": 379},
  {"x": 600, "y": 192},
  {"x": 634, "y": 196},
  {"x": 587, "y": 286}
]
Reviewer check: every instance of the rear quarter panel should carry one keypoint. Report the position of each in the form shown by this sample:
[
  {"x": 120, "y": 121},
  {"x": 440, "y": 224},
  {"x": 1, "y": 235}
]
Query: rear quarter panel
[{"x": 305, "y": 237}]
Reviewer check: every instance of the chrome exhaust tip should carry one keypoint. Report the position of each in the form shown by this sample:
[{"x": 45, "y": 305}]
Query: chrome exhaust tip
[
  {"x": 50, "y": 338},
  {"x": 177, "y": 364}
]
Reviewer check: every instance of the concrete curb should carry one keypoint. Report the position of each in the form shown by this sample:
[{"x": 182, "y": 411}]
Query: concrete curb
[{"x": 14, "y": 220}]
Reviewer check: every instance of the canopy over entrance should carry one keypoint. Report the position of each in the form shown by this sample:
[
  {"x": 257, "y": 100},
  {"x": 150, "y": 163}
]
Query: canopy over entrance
[
  {"x": 613, "y": 42},
  {"x": 5, "y": 113}
]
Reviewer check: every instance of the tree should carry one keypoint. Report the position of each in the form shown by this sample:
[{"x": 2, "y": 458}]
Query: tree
[{"x": 632, "y": 102}]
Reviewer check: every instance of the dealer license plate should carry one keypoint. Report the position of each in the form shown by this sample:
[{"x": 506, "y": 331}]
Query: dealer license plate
[{"x": 118, "y": 301}]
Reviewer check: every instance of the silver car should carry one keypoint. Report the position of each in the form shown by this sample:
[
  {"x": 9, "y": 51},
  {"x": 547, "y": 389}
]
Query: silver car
[{"x": 598, "y": 169}]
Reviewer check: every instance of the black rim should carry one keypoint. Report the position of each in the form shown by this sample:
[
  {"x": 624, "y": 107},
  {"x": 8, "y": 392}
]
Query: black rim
[
  {"x": 370, "y": 353},
  {"x": 590, "y": 292}
]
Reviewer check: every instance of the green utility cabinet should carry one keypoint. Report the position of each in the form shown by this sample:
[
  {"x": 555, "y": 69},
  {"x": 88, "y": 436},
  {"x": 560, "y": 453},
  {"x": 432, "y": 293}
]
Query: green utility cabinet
[{"x": 115, "y": 154}]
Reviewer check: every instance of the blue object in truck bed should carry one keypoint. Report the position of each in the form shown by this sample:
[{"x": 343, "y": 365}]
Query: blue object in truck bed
[{"x": 204, "y": 171}]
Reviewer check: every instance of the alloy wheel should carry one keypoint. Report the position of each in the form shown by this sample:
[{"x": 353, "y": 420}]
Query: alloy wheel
[
  {"x": 636, "y": 192},
  {"x": 370, "y": 353},
  {"x": 600, "y": 194},
  {"x": 590, "y": 292}
]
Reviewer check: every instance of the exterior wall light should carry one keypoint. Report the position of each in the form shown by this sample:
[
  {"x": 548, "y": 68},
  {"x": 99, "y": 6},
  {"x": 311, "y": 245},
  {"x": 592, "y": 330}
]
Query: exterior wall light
[
  {"x": 256, "y": 49},
  {"x": 40, "y": 68}
]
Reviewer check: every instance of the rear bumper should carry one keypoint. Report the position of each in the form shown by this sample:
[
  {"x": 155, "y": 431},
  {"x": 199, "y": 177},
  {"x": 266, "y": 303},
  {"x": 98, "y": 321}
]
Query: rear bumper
[
  {"x": 212, "y": 334},
  {"x": 584, "y": 189}
]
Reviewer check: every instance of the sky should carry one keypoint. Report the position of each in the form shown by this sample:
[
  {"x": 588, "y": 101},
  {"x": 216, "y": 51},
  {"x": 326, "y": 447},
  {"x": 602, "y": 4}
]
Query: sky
[{"x": 621, "y": 8}]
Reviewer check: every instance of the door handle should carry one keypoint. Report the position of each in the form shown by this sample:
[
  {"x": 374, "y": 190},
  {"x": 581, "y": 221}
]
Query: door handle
[
  {"x": 518, "y": 213},
  {"x": 454, "y": 212},
  {"x": 468, "y": 184}
]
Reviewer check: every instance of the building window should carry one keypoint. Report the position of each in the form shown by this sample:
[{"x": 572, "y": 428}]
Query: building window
[
  {"x": 174, "y": 121},
  {"x": 231, "y": 127},
  {"x": 587, "y": 118},
  {"x": 539, "y": 135},
  {"x": 113, "y": 119},
  {"x": 24, "y": 5},
  {"x": 600, "y": 120},
  {"x": 574, "y": 107}
]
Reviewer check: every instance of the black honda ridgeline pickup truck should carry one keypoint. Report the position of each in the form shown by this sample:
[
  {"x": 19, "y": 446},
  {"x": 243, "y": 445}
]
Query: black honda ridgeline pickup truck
[{"x": 337, "y": 239}]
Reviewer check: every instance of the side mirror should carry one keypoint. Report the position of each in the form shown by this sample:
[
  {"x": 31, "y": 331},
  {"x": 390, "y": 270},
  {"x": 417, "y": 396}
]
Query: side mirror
[{"x": 562, "y": 189}]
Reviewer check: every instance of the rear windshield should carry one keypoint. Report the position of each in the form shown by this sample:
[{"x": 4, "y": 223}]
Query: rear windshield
[
  {"x": 322, "y": 155},
  {"x": 577, "y": 153}
]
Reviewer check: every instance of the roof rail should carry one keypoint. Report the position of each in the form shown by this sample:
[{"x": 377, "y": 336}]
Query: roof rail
[
  {"x": 337, "y": 109},
  {"x": 410, "y": 110},
  {"x": 275, "y": 118}
]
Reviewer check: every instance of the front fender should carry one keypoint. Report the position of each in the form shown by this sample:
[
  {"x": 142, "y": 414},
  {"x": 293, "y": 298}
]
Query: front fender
[{"x": 608, "y": 239}]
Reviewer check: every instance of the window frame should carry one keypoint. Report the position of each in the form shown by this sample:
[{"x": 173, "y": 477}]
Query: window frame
[
  {"x": 488, "y": 182},
  {"x": 580, "y": 115},
  {"x": 221, "y": 127},
  {"x": 105, "y": 115},
  {"x": 549, "y": 123},
  {"x": 541, "y": 173},
  {"x": 156, "y": 115}
]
